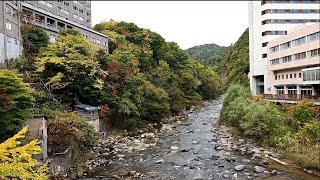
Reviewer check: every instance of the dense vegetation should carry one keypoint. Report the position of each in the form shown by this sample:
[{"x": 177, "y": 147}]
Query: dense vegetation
[
  {"x": 142, "y": 79},
  {"x": 234, "y": 67},
  {"x": 209, "y": 54},
  {"x": 292, "y": 128},
  {"x": 231, "y": 63}
]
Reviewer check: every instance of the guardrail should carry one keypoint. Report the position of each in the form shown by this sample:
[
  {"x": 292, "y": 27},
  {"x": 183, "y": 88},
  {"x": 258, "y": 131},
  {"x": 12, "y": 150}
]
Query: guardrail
[{"x": 292, "y": 97}]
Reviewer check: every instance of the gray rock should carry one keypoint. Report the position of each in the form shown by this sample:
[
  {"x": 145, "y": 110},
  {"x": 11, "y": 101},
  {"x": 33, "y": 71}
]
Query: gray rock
[
  {"x": 159, "y": 161},
  {"x": 273, "y": 172},
  {"x": 239, "y": 167},
  {"x": 266, "y": 173},
  {"x": 259, "y": 169},
  {"x": 309, "y": 171},
  {"x": 264, "y": 163},
  {"x": 226, "y": 176},
  {"x": 257, "y": 156}
]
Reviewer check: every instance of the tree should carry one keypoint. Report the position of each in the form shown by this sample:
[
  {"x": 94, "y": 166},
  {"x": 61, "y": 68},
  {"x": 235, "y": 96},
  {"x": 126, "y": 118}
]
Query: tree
[
  {"x": 16, "y": 160},
  {"x": 34, "y": 38},
  {"x": 70, "y": 68},
  {"x": 15, "y": 103}
]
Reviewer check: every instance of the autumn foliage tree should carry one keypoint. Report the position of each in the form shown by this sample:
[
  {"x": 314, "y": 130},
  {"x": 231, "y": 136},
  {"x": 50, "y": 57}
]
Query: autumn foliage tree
[
  {"x": 70, "y": 68},
  {"x": 16, "y": 160}
]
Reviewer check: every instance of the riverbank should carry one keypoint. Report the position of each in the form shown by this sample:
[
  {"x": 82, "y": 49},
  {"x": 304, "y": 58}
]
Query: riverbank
[{"x": 189, "y": 146}]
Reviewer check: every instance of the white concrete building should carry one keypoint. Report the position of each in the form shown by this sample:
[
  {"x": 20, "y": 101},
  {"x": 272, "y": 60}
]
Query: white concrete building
[{"x": 269, "y": 20}]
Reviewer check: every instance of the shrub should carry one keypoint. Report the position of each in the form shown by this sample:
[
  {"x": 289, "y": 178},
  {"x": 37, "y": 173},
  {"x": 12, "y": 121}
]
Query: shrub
[
  {"x": 233, "y": 92},
  {"x": 262, "y": 121},
  {"x": 69, "y": 129},
  {"x": 302, "y": 113}
]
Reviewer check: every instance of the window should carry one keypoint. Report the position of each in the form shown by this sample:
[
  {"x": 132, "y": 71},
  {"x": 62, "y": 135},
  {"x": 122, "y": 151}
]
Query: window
[
  {"x": 93, "y": 40},
  {"x": 287, "y": 76},
  {"x": 282, "y": 76},
  {"x": 264, "y": 55},
  {"x": 49, "y": 5},
  {"x": 8, "y": 26},
  {"x": 80, "y": 18},
  {"x": 66, "y": 12},
  {"x": 294, "y": 75},
  {"x": 313, "y": 36},
  {"x": 9, "y": 10},
  {"x": 280, "y": 90},
  {"x": 275, "y": 77},
  {"x": 9, "y": 39},
  {"x": 80, "y": 10},
  {"x": 88, "y": 14},
  {"x": 274, "y": 61},
  {"x": 286, "y": 59},
  {"x": 298, "y": 41},
  {"x": 66, "y": 4},
  {"x": 264, "y": 44},
  {"x": 98, "y": 41},
  {"x": 274, "y": 49},
  {"x": 75, "y": 8},
  {"x": 105, "y": 43},
  {"x": 60, "y": 1},
  {"x": 285, "y": 45},
  {"x": 42, "y": 2},
  {"x": 299, "y": 75},
  {"x": 290, "y": 76},
  {"x": 313, "y": 53},
  {"x": 75, "y": 16},
  {"x": 60, "y": 9}
]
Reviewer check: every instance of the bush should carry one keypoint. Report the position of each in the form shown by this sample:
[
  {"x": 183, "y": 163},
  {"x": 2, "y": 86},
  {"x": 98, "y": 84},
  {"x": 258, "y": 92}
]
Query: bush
[
  {"x": 262, "y": 120},
  {"x": 233, "y": 92},
  {"x": 69, "y": 129}
]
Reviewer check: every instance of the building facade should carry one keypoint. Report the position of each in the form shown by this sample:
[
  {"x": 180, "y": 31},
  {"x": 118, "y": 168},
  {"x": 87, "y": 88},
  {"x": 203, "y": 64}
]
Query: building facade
[
  {"x": 269, "y": 20},
  {"x": 293, "y": 70},
  {"x": 50, "y": 15}
]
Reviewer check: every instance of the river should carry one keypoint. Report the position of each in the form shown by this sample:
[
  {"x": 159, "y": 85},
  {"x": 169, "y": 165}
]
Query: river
[{"x": 191, "y": 151}]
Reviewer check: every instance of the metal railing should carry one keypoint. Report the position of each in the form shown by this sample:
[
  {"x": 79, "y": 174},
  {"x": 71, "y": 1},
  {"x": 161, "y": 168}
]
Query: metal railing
[{"x": 292, "y": 97}]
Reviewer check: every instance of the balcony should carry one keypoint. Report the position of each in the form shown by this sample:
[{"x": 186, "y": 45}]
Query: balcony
[{"x": 292, "y": 98}]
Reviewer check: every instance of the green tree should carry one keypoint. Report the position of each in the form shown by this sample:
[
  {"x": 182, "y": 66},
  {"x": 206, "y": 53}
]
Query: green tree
[
  {"x": 70, "y": 67},
  {"x": 16, "y": 160},
  {"x": 34, "y": 38},
  {"x": 15, "y": 103}
]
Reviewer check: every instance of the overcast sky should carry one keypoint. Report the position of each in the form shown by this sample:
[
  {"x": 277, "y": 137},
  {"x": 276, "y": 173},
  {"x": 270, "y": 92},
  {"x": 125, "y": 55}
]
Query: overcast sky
[{"x": 188, "y": 23}]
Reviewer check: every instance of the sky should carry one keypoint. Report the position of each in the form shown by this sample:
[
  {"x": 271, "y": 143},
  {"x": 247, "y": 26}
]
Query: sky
[{"x": 188, "y": 23}]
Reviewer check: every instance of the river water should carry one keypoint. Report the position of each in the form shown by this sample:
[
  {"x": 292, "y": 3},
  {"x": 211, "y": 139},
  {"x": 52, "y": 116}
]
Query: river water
[{"x": 189, "y": 152}]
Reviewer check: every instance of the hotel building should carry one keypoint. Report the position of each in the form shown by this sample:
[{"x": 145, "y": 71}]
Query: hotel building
[
  {"x": 49, "y": 15},
  {"x": 269, "y": 20},
  {"x": 293, "y": 70}
]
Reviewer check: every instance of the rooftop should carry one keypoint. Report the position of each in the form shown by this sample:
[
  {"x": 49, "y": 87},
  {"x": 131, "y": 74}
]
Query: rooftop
[{"x": 87, "y": 107}]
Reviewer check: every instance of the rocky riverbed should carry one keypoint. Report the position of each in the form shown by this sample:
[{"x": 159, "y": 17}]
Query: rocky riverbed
[{"x": 193, "y": 145}]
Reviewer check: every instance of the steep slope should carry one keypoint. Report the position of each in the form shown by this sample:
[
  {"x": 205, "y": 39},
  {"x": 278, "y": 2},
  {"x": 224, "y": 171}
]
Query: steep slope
[
  {"x": 210, "y": 54},
  {"x": 234, "y": 67}
]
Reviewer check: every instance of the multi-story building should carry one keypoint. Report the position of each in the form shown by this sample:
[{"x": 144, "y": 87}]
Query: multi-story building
[
  {"x": 50, "y": 15},
  {"x": 293, "y": 70},
  {"x": 269, "y": 20}
]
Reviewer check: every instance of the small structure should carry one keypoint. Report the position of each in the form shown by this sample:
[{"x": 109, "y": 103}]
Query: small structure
[
  {"x": 38, "y": 130},
  {"x": 90, "y": 113}
]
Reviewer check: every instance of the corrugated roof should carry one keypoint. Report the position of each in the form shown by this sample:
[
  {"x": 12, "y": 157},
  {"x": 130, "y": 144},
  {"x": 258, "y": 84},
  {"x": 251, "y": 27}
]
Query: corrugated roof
[{"x": 87, "y": 107}]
